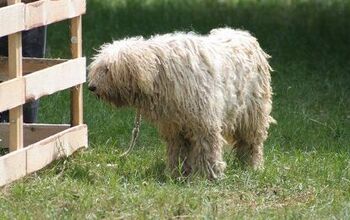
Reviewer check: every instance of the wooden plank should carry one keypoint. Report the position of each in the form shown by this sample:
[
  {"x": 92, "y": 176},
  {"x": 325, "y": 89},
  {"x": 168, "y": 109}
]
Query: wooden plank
[
  {"x": 12, "y": 94},
  {"x": 45, "y": 12},
  {"x": 77, "y": 91},
  {"x": 15, "y": 71},
  {"x": 13, "y": 166},
  {"x": 29, "y": 65},
  {"x": 19, "y": 17},
  {"x": 36, "y": 156},
  {"x": 12, "y": 19},
  {"x": 56, "y": 78},
  {"x": 62, "y": 144},
  {"x": 32, "y": 132}
]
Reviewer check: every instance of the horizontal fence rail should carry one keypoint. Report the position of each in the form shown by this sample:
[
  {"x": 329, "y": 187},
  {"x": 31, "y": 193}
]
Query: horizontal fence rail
[
  {"x": 29, "y": 65},
  {"x": 20, "y": 17},
  {"x": 31, "y": 132},
  {"x": 56, "y": 78},
  {"x": 43, "y": 82},
  {"x": 22, "y": 162}
]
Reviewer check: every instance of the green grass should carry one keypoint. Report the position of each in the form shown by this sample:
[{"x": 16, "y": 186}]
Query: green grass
[{"x": 307, "y": 172}]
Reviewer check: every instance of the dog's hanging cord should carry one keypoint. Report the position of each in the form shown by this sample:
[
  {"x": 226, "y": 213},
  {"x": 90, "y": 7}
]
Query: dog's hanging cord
[{"x": 135, "y": 133}]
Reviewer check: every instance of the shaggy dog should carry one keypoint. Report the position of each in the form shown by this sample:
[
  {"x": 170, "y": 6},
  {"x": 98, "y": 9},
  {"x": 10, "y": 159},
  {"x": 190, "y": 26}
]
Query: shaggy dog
[{"x": 200, "y": 91}]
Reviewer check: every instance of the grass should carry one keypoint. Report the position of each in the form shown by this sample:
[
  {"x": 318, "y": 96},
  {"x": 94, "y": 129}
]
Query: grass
[{"x": 307, "y": 172}]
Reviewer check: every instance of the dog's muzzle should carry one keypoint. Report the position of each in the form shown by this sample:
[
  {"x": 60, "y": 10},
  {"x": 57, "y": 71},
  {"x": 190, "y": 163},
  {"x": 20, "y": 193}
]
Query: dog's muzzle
[{"x": 92, "y": 88}]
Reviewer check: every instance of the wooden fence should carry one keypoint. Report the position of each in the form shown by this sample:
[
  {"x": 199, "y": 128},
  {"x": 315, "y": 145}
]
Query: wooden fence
[{"x": 33, "y": 146}]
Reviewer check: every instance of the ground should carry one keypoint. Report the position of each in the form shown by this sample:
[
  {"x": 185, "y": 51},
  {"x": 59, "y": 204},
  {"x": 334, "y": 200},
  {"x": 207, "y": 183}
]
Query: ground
[{"x": 307, "y": 169}]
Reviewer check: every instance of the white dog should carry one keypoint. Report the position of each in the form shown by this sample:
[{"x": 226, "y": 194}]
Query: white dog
[{"x": 200, "y": 91}]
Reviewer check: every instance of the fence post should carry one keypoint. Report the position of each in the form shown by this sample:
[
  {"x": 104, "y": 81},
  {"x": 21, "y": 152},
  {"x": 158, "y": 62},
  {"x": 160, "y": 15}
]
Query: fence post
[
  {"x": 76, "y": 91},
  {"x": 15, "y": 70}
]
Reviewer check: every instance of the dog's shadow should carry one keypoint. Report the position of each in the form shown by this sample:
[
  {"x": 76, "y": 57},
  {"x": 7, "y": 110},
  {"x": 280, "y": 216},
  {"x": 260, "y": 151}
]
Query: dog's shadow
[{"x": 157, "y": 171}]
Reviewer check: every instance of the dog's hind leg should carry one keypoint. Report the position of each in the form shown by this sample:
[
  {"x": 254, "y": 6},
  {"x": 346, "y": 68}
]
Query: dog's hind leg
[
  {"x": 251, "y": 136},
  {"x": 250, "y": 153}
]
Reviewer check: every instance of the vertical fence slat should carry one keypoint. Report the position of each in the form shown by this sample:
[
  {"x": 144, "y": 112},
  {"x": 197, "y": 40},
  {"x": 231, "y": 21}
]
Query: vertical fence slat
[
  {"x": 15, "y": 70},
  {"x": 77, "y": 91}
]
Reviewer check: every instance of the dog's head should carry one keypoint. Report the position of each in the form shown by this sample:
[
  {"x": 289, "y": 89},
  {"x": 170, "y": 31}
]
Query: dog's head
[
  {"x": 120, "y": 72},
  {"x": 100, "y": 77}
]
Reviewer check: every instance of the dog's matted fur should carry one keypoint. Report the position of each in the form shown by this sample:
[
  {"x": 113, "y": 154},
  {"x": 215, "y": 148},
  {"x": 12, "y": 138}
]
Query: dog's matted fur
[{"x": 201, "y": 91}]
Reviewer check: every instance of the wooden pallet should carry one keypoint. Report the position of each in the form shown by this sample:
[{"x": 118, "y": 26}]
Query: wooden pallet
[{"x": 33, "y": 146}]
